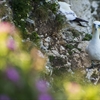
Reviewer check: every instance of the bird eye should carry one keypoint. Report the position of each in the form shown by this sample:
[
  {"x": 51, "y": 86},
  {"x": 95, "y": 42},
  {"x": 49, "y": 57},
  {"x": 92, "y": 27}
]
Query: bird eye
[{"x": 94, "y": 25}]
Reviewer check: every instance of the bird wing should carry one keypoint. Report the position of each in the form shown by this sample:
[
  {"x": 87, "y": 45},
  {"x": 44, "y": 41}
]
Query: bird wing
[
  {"x": 66, "y": 10},
  {"x": 70, "y": 15}
]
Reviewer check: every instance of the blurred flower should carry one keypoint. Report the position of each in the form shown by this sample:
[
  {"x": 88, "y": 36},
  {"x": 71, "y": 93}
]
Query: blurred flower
[
  {"x": 73, "y": 91},
  {"x": 12, "y": 74},
  {"x": 4, "y": 97},
  {"x": 45, "y": 97},
  {"x": 73, "y": 87},
  {"x": 39, "y": 60},
  {"x": 42, "y": 86},
  {"x": 6, "y": 27},
  {"x": 11, "y": 43}
]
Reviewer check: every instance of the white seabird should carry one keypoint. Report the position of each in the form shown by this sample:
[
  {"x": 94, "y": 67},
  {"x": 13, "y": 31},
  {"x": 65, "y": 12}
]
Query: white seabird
[
  {"x": 70, "y": 14},
  {"x": 93, "y": 49}
]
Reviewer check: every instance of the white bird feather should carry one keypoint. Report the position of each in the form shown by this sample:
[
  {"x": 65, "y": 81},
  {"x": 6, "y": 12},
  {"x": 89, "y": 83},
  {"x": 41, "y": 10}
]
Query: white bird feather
[
  {"x": 66, "y": 10},
  {"x": 93, "y": 49},
  {"x": 70, "y": 14}
]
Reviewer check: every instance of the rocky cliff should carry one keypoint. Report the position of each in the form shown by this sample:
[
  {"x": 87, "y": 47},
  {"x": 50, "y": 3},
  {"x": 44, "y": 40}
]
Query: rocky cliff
[{"x": 64, "y": 48}]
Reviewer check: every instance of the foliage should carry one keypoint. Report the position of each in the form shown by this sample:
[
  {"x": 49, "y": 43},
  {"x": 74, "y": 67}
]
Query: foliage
[
  {"x": 21, "y": 11},
  {"x": 56, "y": 61},
  {"x": 20, "y": 69},
  {"x": 73, "y": 86},
  {"x": 38, "y": 11},
  {"x": 48, "y": 12},
  {"x": 70, "y": 47},
  {"x": 87, "y": 37},
  {"x": 42, "y": 9},
  {"x": 60, "y": 21}
]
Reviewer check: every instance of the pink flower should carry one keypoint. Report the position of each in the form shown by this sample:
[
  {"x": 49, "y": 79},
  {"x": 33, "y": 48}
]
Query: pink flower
[
  {"x": 6, "y": 27},
  {"x": 11, "y": 44}
]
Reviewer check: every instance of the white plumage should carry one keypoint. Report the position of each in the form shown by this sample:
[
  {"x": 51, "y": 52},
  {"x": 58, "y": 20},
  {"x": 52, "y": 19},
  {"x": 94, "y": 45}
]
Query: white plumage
[
  {"x": 65, "y": 9},
  {"x": 93, "y": 49},
  {"x": 70, "y": 14}
]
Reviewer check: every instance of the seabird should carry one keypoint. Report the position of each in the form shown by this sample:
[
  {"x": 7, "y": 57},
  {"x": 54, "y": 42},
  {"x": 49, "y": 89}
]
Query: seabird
[
  {"x": 70, "y": 14},
  {"x": 93, "y": 48}
]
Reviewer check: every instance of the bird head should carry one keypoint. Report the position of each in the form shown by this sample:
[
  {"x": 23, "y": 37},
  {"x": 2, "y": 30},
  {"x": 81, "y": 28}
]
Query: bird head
[{"x": 96, "y": 26}]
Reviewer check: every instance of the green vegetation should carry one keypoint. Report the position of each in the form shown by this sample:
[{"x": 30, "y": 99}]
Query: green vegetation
[
  {"x": 70, "y": 47},
  {"x": 19, "y": 69},
  {"x": 60, "y": 22},
  {"x": 75, "y": 32},
  {"x": 39, "y": 11},
  {"x": 21, "y": 11},
  {"x": 51, "y": 58},
  {"x": 87, "y": 37},
  {"x": 56, "y": 61}
]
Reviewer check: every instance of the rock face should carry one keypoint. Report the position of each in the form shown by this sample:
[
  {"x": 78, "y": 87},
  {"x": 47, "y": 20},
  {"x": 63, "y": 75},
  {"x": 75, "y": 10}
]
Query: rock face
[
  {"x": 66, "y": 48},
  {"x": 83, "y": 10}
]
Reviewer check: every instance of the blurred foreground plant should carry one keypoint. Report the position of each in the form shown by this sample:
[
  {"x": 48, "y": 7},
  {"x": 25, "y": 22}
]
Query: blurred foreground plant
[
  {"x": 73, "y": 86},
  {"x": 19, "y": 68},
  {"x": 75, "y": 91}
]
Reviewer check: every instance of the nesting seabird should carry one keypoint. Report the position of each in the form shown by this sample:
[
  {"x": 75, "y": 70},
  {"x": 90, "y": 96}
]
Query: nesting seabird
[
  {"x": 93, "y": 49},
  {"x": 70, "y": 14}
]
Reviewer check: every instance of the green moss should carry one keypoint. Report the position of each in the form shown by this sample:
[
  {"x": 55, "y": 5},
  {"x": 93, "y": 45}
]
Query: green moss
[
  {"x": 75, "y": 32},
  {"x": 51, "y": 58},
  {"x": 59, "y": 21},
  {"x": 56, "y": 61},
  {"x": 43, "y": 9},
  {"x": 53, "y": 7},
  {"x": 87, "y": 37},
  {"x": 79, "y": 49},
  {"x": 70, "y": 52},
  {"x": 41, "y": 12},
  {"x": 34, "y": 37},
  {"x": 69, "y": 46}
]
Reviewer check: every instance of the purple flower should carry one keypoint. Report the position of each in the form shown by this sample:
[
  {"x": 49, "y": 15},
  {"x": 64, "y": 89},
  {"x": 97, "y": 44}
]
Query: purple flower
[
  {"x": 12, "y": 74},
  {"x": 11, "y": 44},
  {"x": 45, "y": 97},
  {"x": 42, "y": 86},
  {"x": 4, "y": 97}
]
